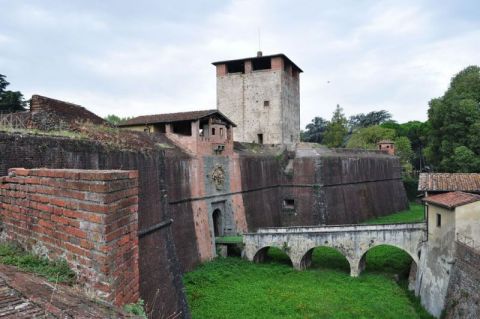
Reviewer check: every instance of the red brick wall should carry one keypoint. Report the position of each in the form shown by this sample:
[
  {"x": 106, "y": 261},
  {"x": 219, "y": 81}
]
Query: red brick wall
[{"x": 87, "y": 217}]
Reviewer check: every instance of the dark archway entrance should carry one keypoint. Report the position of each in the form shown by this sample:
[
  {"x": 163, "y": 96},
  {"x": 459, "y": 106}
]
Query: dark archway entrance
[{"x": 217, "y": 223}]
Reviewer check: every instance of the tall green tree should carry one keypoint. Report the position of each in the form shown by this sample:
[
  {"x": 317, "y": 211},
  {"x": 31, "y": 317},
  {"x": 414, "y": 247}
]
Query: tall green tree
[
  {"x": 455, "y": 124},
  {"x": 10, "y": 101},
  {"x": 336, "y": 130},
  {"x": 315, "y": 131},
  {"x": 365, "y": 120}
]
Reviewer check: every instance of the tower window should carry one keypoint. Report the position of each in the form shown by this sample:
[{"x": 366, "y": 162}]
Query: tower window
[
  {"x": 266, "y": 103},
  {"x": 221, "y": 132},
  {"x": 289, "y": 203},
  {"x": 261, "y": 64},
  {"x": 439, "y": 220},
  {"x": 236, "y": 67},
  {"x": 213, "y": 131},
  {"x": 260, "y": 138}
]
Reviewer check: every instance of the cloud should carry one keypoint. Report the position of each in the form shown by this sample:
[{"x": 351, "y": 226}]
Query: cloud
[{"x": 154, "y": 58}]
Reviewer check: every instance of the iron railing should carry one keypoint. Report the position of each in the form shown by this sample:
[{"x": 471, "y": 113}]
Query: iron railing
[
  {"x": 468, "y": 241},
  {"x": 13, "y": 120}
]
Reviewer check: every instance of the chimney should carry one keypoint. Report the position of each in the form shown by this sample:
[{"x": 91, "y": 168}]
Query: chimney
[{"x": 259, "y": 53}]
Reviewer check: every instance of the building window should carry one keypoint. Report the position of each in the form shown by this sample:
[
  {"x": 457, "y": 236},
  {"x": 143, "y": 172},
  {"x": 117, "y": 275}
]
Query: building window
[
  {"x": 221, "y": 132},
  {"x": 213, "y": 131},
  {"x": 260, "y": 138},
  {"x": 439, "y": 220},
  {"x": 289, "y": 203},
  {"x": 261, "y": 64},
  {"x": 266, "y": 103},
  {"x": 291, "y": 138}
]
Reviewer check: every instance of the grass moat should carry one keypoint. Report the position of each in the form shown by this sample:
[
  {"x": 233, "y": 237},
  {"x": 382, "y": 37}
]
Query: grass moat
[{"x": 234, "y": 288}]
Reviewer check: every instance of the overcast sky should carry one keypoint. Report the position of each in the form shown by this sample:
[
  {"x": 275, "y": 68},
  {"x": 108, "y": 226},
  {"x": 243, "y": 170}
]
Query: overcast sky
[{"x": 143, "y": 57}]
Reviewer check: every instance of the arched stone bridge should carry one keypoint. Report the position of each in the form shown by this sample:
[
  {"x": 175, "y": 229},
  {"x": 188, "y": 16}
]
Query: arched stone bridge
[{"x": 353, "y": 241}]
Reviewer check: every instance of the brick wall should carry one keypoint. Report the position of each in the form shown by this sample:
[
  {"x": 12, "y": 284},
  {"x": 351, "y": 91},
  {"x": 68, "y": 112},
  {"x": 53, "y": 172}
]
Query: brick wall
[{"x": 87, "y": 217}]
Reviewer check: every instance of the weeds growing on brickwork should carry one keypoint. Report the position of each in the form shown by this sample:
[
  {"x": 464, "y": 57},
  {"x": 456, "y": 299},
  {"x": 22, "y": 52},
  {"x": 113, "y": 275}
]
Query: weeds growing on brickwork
[
  {"x": 137, "y": 309},
  {"x": 235, "y": 288},
  {"x": 54, "y": 271}
]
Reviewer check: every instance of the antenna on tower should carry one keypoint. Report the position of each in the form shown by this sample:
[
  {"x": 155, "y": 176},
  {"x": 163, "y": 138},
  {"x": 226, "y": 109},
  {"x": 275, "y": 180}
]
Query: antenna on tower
[{"x": 259, "y": 52}]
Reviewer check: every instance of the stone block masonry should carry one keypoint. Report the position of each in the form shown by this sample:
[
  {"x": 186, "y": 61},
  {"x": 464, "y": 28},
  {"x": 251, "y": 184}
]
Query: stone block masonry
[{"x": 87, "y": 217}]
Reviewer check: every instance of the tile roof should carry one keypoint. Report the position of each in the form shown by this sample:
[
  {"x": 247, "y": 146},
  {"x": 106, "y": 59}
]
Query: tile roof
[
  {"x": 452, "y": 199},
  {"x": 444, "y": 182},
  {"x": 174, "y": 117}
]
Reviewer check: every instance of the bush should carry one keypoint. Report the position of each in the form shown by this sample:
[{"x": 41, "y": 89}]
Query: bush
[{"x": 411, "y": 187}]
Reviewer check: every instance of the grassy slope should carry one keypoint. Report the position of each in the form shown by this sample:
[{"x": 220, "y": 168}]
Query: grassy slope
[
  {"x": 413, "y": 215},
  {"x": 234, "y": 288}
]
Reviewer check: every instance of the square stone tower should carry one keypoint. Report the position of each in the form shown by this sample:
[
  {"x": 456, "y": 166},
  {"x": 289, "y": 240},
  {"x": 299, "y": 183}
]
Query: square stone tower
[{"x": 261, "y": 95}]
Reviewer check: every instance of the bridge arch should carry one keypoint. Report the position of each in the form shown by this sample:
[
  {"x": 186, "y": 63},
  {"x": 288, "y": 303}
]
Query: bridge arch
[
  {"x": 361, "y": 263},
  {"x": 307, "y": 258},
  {"x": 261, "y": 255}
]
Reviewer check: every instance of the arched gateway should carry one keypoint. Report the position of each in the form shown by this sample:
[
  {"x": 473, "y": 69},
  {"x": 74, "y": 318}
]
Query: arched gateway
[{"x": 353, "y": 241}]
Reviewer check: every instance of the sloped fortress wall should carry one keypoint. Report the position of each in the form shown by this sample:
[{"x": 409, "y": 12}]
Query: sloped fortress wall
[
  {"x": 88, "y": 218},
  {"x": 463, "y": 295},
  {"x": 336, "y": 187}
]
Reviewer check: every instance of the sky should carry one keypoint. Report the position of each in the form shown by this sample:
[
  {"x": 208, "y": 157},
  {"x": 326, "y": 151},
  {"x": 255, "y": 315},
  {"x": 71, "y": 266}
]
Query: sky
[{"x": 145, "y": 57}]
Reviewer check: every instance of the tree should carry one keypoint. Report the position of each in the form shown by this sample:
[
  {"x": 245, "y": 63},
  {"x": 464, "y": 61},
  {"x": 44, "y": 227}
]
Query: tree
[
  {"x": 465, "y": 160},
  {"x": 455, "y": 124},
  {"x": 368, "y": 137},
  {"x": 365, "y": 120},
  {"x": 336, "y": 130},
  {"x": 417, "y": 132},
  {"x": 116, "y": 120},
  {"x": 10, "y": 101},
  {"x": 315, "y": 130}
]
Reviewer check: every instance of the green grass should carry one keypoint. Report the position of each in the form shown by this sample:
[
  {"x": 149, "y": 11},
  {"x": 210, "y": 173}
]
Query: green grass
[
  {"x": 54, "y": 271},
  {"x": 413, "y": 215},
  {"x": 229, "y": 240},
  {"x": 234, "y": 288}
]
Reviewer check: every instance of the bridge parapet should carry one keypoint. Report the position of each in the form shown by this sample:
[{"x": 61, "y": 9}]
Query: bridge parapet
[
  {"x": 353, "y": 241},
  {"x": 341, "y": 228}
]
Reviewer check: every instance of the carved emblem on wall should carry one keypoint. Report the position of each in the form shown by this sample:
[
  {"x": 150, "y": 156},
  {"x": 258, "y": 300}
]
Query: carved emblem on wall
[{"x": 218, "y": 177}]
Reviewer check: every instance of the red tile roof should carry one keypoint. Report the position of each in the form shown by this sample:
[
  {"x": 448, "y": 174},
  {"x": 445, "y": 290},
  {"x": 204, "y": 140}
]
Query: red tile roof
[
  {"x": 444, "y": 182},
  {"x": 452, "y": 199},
  {"x": 174, "y": 117}
]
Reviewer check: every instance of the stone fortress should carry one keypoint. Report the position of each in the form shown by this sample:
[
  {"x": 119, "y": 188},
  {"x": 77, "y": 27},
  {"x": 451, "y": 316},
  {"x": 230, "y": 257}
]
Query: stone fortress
[{"x": 200, "y": 177}]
